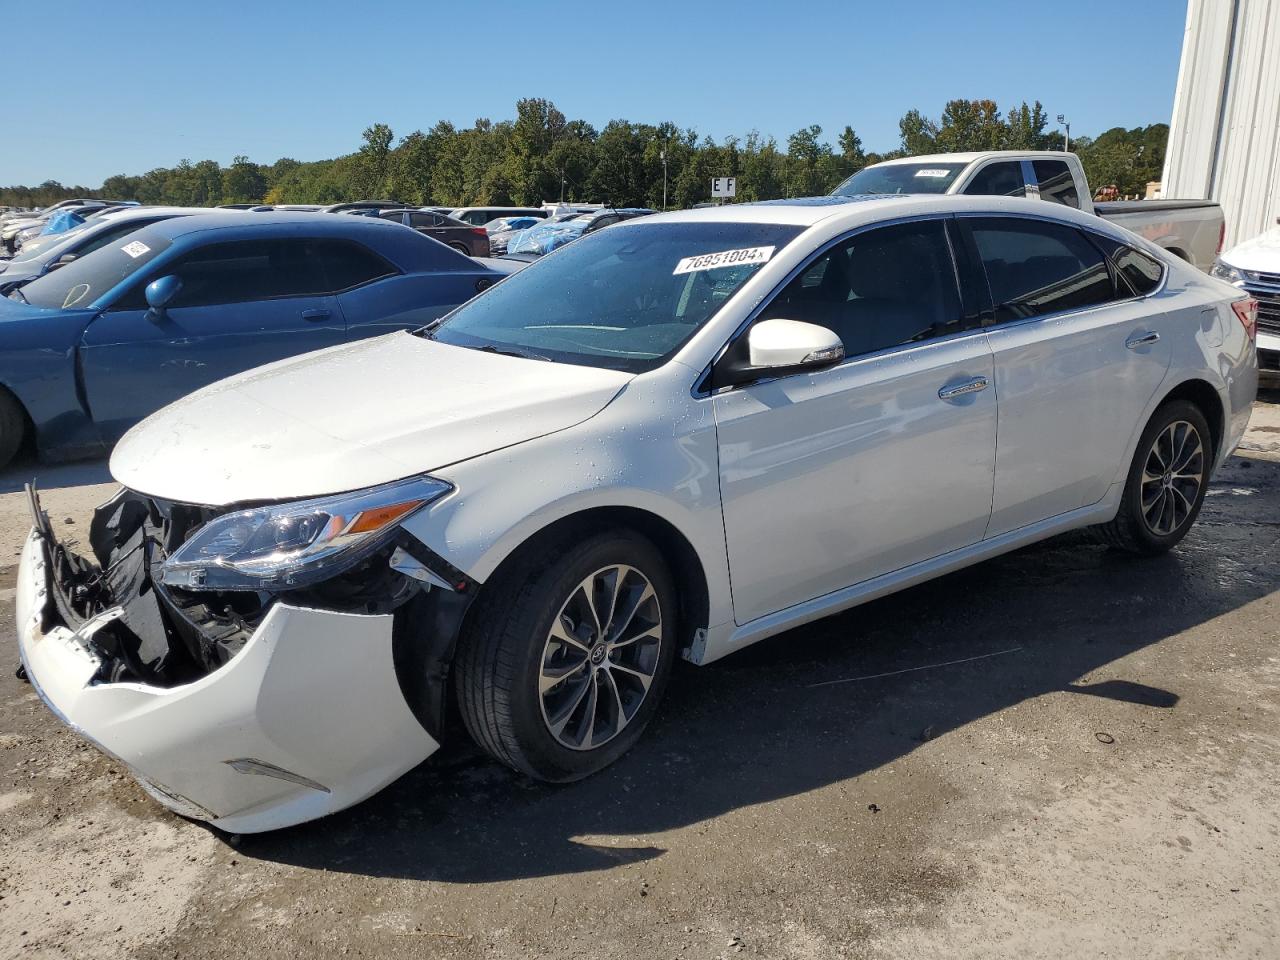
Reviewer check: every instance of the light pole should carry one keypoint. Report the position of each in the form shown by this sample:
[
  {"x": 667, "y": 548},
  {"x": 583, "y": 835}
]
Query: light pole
[
  {"x": 1066, "y": 137},
  {"x": 663, "y": 155}
]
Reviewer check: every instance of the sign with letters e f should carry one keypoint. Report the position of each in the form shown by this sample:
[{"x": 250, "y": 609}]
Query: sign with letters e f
[{"x": 724, "y": 186}]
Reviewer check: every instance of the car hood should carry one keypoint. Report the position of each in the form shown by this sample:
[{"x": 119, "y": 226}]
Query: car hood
[
  {"x": 352, "y": 416},
  {"x": 1261, "y": 254}
]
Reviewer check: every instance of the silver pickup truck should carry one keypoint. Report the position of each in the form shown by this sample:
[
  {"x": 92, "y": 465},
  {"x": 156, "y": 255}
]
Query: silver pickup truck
[{"x": 1192, "y": 229}]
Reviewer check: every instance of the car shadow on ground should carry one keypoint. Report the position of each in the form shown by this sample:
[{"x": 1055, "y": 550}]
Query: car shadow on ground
[
  {"x": 52, "y": 476},
  {"x": 760, "y": 725}
]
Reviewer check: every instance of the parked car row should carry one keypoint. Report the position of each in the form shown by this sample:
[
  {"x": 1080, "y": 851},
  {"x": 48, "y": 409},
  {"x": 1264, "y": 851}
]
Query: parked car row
[
  {"x": 19, "y": 227},
  {"x": 671, "y": 437},
  {"x": 138, "y": 309}
]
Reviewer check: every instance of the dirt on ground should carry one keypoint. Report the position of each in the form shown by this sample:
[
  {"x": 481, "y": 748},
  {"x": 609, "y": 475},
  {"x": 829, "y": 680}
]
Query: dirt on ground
[{"x": 1065, "y": 752}]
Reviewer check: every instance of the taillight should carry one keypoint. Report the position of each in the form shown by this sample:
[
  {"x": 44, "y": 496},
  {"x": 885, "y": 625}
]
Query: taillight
[
  {"x": 480, "y": 230},
  {"x": 1222, "y": 235},
  {"x": 1247, "y": 311}
]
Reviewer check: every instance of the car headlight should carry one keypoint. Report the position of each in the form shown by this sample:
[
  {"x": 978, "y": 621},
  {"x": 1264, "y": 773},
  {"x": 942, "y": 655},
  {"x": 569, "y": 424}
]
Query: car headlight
[
  {"x": 292, "y": 545},
  {"x": 1224, "y": 271}
]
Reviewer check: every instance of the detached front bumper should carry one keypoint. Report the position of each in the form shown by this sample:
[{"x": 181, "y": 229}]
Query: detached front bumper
[{"x": 305, "y": 720}]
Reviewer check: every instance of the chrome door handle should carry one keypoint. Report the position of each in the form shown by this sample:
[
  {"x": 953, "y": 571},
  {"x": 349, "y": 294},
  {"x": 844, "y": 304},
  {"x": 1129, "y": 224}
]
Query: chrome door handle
[
  {"x": 960, "y": 389},
  {"x": 1141, "y": 340}
]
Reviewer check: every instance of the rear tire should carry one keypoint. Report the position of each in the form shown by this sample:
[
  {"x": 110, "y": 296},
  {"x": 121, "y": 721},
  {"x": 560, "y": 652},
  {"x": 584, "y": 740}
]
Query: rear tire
[
  {"x": 566, "y": 655},
  {"x": 13, "y": 427},
  {"x": 461, "y": 249},
  {"x": 1166, "y": 484}
]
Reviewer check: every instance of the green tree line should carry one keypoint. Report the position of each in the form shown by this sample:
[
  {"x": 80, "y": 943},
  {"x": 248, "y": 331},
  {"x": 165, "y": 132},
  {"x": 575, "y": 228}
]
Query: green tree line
[{"x": 541, "y": 155}]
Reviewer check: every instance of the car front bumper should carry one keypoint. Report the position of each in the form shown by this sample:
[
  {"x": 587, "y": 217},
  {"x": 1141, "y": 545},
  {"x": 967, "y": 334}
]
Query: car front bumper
[
  {"x": 1268, "y": 359},
  {"x": 307, "y": 719}
]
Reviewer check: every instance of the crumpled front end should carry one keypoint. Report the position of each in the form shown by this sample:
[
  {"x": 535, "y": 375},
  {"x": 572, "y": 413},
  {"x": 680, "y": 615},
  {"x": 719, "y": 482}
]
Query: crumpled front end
[{"x": 249, "y": 711}]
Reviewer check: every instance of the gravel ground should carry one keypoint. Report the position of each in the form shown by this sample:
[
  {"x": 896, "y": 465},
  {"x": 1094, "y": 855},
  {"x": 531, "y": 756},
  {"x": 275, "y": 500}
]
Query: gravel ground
[{"x": 1063, "y": 752}]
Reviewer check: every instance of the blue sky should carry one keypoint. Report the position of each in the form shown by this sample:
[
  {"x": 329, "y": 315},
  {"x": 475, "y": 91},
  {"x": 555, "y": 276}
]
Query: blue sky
[{"x": 277, "y": 78}]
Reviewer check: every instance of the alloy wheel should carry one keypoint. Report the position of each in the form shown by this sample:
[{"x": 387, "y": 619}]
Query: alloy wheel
[
  {"x": 1172, "y": 476},
  {"x": 600, "y": 657}
]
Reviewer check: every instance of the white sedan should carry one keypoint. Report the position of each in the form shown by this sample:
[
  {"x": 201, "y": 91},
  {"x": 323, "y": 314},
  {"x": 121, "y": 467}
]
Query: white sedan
[{"x": 674, "y": 437}]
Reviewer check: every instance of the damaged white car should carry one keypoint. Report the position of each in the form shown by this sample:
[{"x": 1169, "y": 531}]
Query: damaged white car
[{"x": 675, "y": 436}]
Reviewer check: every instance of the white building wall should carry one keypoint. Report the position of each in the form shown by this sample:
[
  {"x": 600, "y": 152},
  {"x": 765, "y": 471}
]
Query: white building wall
[{"x": 1224, "y": 140}]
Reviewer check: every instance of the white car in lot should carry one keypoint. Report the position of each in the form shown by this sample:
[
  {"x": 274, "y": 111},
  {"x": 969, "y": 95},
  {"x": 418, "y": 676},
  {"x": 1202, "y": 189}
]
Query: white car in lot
[
  {"x": 1254, "y": 267},
  {"x": 674, "y": 437}
]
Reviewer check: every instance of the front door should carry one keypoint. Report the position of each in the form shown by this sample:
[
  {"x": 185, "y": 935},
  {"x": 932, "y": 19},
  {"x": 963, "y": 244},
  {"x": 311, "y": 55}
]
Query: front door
[
  {"x": 242, "y": 304},
  {"x": 833, "y": 477}
]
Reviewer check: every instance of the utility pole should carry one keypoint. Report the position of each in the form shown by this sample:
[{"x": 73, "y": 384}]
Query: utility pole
[
  {"x": 561, "y": 186},
  {"x": 663, "y": 155},
  {"x": 1066, "y": 137}
]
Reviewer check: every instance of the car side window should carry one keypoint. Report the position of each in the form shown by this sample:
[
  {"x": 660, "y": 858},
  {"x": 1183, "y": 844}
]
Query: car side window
[
  {"x": 1035, "y": 267},
  {"x": 1002, "y": 179},
  {"x": 1056, "y": 182},
  {"x": 1140, "y": 271},
  {"x": 417, "y": 220},
  {"x": 345, "y": 264},
  {"x": 882, "y": 288},
  {"x": 246, "y": 270}
]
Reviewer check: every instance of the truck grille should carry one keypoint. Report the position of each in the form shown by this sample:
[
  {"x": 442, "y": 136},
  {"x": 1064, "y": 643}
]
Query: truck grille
[{"x": 1268, "y": 298}]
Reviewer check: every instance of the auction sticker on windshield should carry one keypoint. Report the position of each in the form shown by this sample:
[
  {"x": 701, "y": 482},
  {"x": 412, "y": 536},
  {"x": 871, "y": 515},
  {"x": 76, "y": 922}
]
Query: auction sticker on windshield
[
  {"x": 932, "y": 172},
  {"x": 725, "y": 258},
  {"x": 136, "y": 249}
]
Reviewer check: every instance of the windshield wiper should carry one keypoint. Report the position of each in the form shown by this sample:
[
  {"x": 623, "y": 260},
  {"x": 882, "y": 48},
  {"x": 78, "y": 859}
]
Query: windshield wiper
[{"x": 490, "y": 348}]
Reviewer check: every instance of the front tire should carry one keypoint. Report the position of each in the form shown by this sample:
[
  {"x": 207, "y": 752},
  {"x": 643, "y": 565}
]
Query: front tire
[
  {"x": 1167, "y": 481},
  {"x": 13, "y": 427},
  {"x": 567, "y": 654}
]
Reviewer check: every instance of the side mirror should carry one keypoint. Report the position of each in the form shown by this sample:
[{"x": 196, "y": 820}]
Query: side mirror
[
  {"x": 775, "y": 348},
  {"x": 62, "y": 261},
  {"x": 160, "y": 293}
]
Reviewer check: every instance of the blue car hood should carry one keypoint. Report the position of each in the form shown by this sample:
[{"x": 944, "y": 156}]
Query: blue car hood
[{"x": 15, "y": 311}]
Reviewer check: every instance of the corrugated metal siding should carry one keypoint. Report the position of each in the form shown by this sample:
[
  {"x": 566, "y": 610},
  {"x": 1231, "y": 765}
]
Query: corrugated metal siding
[{"x": 1224, "y": 141}]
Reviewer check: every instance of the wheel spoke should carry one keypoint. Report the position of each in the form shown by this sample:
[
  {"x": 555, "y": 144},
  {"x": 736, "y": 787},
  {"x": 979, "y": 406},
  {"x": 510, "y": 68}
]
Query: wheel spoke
[
  {"x": 560, "y": 631},
  {"x": 554, "y": 676},
  {"x": 619, "y": 627},
  {"x": 588, "y": 590},
  {"x": 588, "y": 725},
  {"x": 620, "y": 717},
  {"x": 1192, "y": 450},
  {"x": 653, "y": 632},
  {"x": 644, "y": 678},
  {"x": 561, "y": 719}
]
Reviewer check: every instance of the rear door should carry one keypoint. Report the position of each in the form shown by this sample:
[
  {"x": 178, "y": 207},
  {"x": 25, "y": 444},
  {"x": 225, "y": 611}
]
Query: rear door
[
  {"x": 1077, "y": 359},
  {"x": 834, "y": 477},
  {"x": 243, "y": 303}
]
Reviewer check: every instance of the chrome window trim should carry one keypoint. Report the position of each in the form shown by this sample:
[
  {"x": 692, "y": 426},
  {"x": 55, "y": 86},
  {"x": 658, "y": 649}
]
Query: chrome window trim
[{"x": 700, "y": 388}]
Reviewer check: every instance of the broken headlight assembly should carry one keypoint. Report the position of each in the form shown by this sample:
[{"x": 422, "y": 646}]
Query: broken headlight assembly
[{"x": 286, "y": 546}]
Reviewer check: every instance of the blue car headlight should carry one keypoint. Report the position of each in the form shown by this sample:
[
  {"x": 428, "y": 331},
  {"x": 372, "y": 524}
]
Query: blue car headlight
[{"x": 296, "y": 544}]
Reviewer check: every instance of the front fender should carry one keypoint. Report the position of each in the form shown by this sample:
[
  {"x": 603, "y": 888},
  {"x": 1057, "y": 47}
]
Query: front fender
[
  {"x": 637, "y": 453},
  {"x": 38, "y": 366}
]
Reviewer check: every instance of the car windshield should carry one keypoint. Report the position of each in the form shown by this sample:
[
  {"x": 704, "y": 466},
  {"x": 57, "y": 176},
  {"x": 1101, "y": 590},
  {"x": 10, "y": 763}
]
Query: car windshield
[
  {"x": 624, "y": 298},
  {"x": 930, "y": 177},
  {"x": 81, "y": 282}
]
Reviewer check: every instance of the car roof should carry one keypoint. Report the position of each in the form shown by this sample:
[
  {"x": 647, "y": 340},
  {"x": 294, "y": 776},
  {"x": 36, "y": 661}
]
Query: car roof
[
  {"x": 973, "y": 155},
  {"x": 875, "y": 208},
  {"x": 320, "y": 224}
]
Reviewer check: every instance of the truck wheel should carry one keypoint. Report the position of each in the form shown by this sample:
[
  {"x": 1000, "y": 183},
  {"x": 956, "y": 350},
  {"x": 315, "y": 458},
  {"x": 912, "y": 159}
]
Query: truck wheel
[
  {"x": 13, "y": 427},
  {"x": 1166, "y": 483},
  {"x": 567, "y": 654}
]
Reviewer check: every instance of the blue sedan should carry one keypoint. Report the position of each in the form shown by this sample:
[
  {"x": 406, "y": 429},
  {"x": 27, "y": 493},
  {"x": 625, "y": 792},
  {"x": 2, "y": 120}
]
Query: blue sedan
[{"x": 90, "y": 349}]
